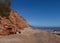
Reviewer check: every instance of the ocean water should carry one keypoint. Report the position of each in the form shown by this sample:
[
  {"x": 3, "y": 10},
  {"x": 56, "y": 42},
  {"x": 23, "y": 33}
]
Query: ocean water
[{"x": 47, "y": 28}]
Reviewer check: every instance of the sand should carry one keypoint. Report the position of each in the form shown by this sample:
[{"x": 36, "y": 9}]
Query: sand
[{"x": 29, "y": 35}]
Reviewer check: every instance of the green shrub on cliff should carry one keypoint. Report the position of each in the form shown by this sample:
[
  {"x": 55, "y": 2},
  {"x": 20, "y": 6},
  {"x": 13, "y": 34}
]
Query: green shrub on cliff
[{"x": 5, "y": 8}]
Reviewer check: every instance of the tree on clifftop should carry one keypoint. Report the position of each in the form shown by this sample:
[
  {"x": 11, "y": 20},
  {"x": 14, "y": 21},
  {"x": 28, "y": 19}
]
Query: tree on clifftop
[{"x": 5, "y": 8}]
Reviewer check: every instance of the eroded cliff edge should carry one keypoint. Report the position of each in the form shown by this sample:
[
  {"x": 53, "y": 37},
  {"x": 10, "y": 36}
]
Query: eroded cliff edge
[{"x": 15, "y": 23}]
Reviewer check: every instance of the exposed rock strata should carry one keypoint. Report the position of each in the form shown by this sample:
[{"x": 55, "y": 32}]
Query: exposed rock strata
[{"x": 15, "y": 23}]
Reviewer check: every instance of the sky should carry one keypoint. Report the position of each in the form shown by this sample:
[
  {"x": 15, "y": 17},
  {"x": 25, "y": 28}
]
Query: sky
[{"x": 39, "y": 12}]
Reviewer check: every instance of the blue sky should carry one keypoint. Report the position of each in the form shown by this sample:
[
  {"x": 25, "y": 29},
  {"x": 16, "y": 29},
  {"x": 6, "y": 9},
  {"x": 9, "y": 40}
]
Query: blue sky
[{"x": 39, "y": 12}]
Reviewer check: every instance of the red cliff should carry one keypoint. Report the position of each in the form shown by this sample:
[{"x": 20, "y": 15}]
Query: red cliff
[{"x": 12, "y": 25}]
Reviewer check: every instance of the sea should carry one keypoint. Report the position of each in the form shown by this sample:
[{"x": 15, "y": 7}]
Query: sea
[{"x": 47, "y": 28}]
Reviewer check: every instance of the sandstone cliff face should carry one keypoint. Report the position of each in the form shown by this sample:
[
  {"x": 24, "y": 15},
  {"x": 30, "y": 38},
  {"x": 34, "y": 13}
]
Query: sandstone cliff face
[{"x": 15, "y": 23}]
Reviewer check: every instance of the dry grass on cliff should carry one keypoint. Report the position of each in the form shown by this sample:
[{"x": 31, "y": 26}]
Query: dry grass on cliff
[{"x": 31, "y": 36}]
